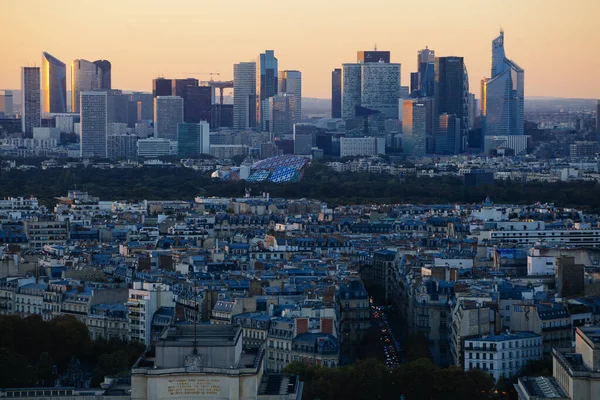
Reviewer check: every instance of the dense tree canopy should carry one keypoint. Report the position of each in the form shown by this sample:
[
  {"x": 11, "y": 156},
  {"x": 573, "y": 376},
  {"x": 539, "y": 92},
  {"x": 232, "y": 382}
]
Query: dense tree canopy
[
  {"x": 320, "y": 182},
  {"x": 36, "y": 352},
  {"x": 370, "y": 379}
]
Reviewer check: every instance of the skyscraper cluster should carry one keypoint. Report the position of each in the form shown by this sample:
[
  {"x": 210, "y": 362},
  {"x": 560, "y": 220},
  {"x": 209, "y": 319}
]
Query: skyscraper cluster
[
  {"x": 441, "y": 111},
  {"x": 434, "y": 115},
  {"x": 265, "y": 98}
]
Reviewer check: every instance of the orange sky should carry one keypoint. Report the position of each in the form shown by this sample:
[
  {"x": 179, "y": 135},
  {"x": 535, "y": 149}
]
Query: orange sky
[{"x": 557, "y": 42}]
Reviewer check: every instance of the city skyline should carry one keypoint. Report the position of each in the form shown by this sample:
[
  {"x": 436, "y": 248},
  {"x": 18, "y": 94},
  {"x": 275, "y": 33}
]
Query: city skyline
[{"x": 466, "y": 34}]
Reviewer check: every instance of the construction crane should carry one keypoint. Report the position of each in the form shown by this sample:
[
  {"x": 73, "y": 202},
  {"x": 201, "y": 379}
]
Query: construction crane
[{"x": 203, "y": 73}]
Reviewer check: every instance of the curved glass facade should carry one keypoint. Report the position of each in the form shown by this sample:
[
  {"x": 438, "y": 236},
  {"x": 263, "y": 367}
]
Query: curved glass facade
[
  {"x": 106, "y": 67},
  {"x": 85, "y": 76},
  {"x": 504, "y": 94},
  {"x": 54, "y": 84}
]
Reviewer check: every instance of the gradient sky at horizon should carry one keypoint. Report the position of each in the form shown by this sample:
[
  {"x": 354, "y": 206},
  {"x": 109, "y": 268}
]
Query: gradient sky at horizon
[{"x": 555, "y": 41}]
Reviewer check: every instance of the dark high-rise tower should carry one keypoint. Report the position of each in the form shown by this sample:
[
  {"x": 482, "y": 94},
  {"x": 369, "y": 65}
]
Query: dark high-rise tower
[
  {"x": 425, "y": 63},
  {"x": 178, "y": 85},
  {"x": 197, "y": 104},
  {"x": 267, "y": 76},
  {"x": 414, "y": 84},
  {"x": 30, "y": 99},
  {"x": 244, "y": 95},
  {"x": 105, "y": 66},
  {"x": 161, "y": 87},
  {"x": 336, "y": 93},
  {"x": 372, "y": 56},
  {"x": 54, "y": 84},
  {"x": 451, "y": 95}
]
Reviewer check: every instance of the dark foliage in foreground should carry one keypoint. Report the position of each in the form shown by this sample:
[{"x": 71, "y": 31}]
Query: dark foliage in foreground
[
  {"x": 320, "y": 182},
  {"x": 370, "y": 379},
  {"x": 34, "y": 352}
]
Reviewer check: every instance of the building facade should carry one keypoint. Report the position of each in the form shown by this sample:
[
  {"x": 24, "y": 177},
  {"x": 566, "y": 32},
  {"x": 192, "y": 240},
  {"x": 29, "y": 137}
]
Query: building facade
[
  {"x": 290, "y": 83},
  {"x": 452, "y": 92},
  {"x": 504, "y": 94},
  {"x": 266, "y": 86},
  {"x": 193, "y": 139},
  {"x": 31, "y": 107},
  {"x": 94, "y": 124},
  {"x": 282, "y": 114},
  {"x": 54, "y": 84},
  {"x": 336, "y": 93},
  {"x": 106, "y": 67},
  {"x": 374, "y": 86},
  {"x": 85, "y": 76},
  {"x": 414, "y": 128},
  {"x": 504, "y": 355},
  {"x": 168, "y": 114},
  {"x": 244, "y": 95}
]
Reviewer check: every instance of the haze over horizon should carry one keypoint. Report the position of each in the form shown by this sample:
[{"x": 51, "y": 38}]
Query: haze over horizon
[{"x": 550, "y": 39}]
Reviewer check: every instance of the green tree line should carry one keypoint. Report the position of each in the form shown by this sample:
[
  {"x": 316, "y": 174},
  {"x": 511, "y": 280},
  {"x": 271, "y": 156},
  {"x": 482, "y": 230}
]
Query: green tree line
[
  {"x": 369, "y": 379},
  {"x": 319, "y": 182},
  {"x": 34, "y": 352}
]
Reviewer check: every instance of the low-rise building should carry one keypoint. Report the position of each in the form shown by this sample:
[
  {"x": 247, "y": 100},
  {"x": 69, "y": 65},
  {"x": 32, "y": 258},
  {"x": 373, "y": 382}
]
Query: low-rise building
[
  {"x": 578, "y": 373},
  {"x": 502, "y": 355}
]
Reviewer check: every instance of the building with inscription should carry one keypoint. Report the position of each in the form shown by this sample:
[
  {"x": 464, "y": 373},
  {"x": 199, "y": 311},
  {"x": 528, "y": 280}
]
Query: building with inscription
[{"x": 207, "y": 362}]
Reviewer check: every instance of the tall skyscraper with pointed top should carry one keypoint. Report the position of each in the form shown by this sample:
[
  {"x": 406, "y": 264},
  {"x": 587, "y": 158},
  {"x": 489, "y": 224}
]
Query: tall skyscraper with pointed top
[
  {"x": 504, "y": 94},
  {"x": 54, "y": 84}
]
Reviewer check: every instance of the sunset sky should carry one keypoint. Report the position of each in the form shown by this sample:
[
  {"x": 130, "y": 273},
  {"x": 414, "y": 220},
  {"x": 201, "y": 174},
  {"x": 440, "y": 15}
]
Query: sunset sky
[{"x": 557, "y": 42}]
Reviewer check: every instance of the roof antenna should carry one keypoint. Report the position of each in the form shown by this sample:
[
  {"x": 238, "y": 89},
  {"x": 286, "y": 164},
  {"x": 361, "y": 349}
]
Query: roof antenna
[{"x": 375, "y": 47}]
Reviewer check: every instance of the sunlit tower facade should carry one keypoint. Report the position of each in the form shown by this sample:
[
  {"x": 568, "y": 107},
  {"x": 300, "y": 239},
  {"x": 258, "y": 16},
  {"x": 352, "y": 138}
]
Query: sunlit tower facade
[
  {"x": 54, "y": 84},
  {"x": 85, "y": 76}
]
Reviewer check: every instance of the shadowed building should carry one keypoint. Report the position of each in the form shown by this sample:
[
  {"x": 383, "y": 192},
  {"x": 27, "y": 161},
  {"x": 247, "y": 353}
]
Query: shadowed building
[
  {"x": 266, "y": 86},
  {"x": 452, "y": 92},
  {"x": 336, "y": 93},
  {"x": 94, "y": 124},
  {"x": 30, "y": 99},
  {"x": 244, "y": 95},
  {"x": 105, "y": 67}
]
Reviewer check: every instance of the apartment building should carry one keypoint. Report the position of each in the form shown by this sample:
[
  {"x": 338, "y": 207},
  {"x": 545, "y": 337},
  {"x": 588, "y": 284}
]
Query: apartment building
[{"x": 503, "y": 355}]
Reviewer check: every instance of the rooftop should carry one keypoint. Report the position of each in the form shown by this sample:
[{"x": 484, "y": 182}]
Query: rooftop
[
  {"x": 540, "y": 387},
  {"x": 505, "y": 336},
  {"x": 206, "y": 335}
]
